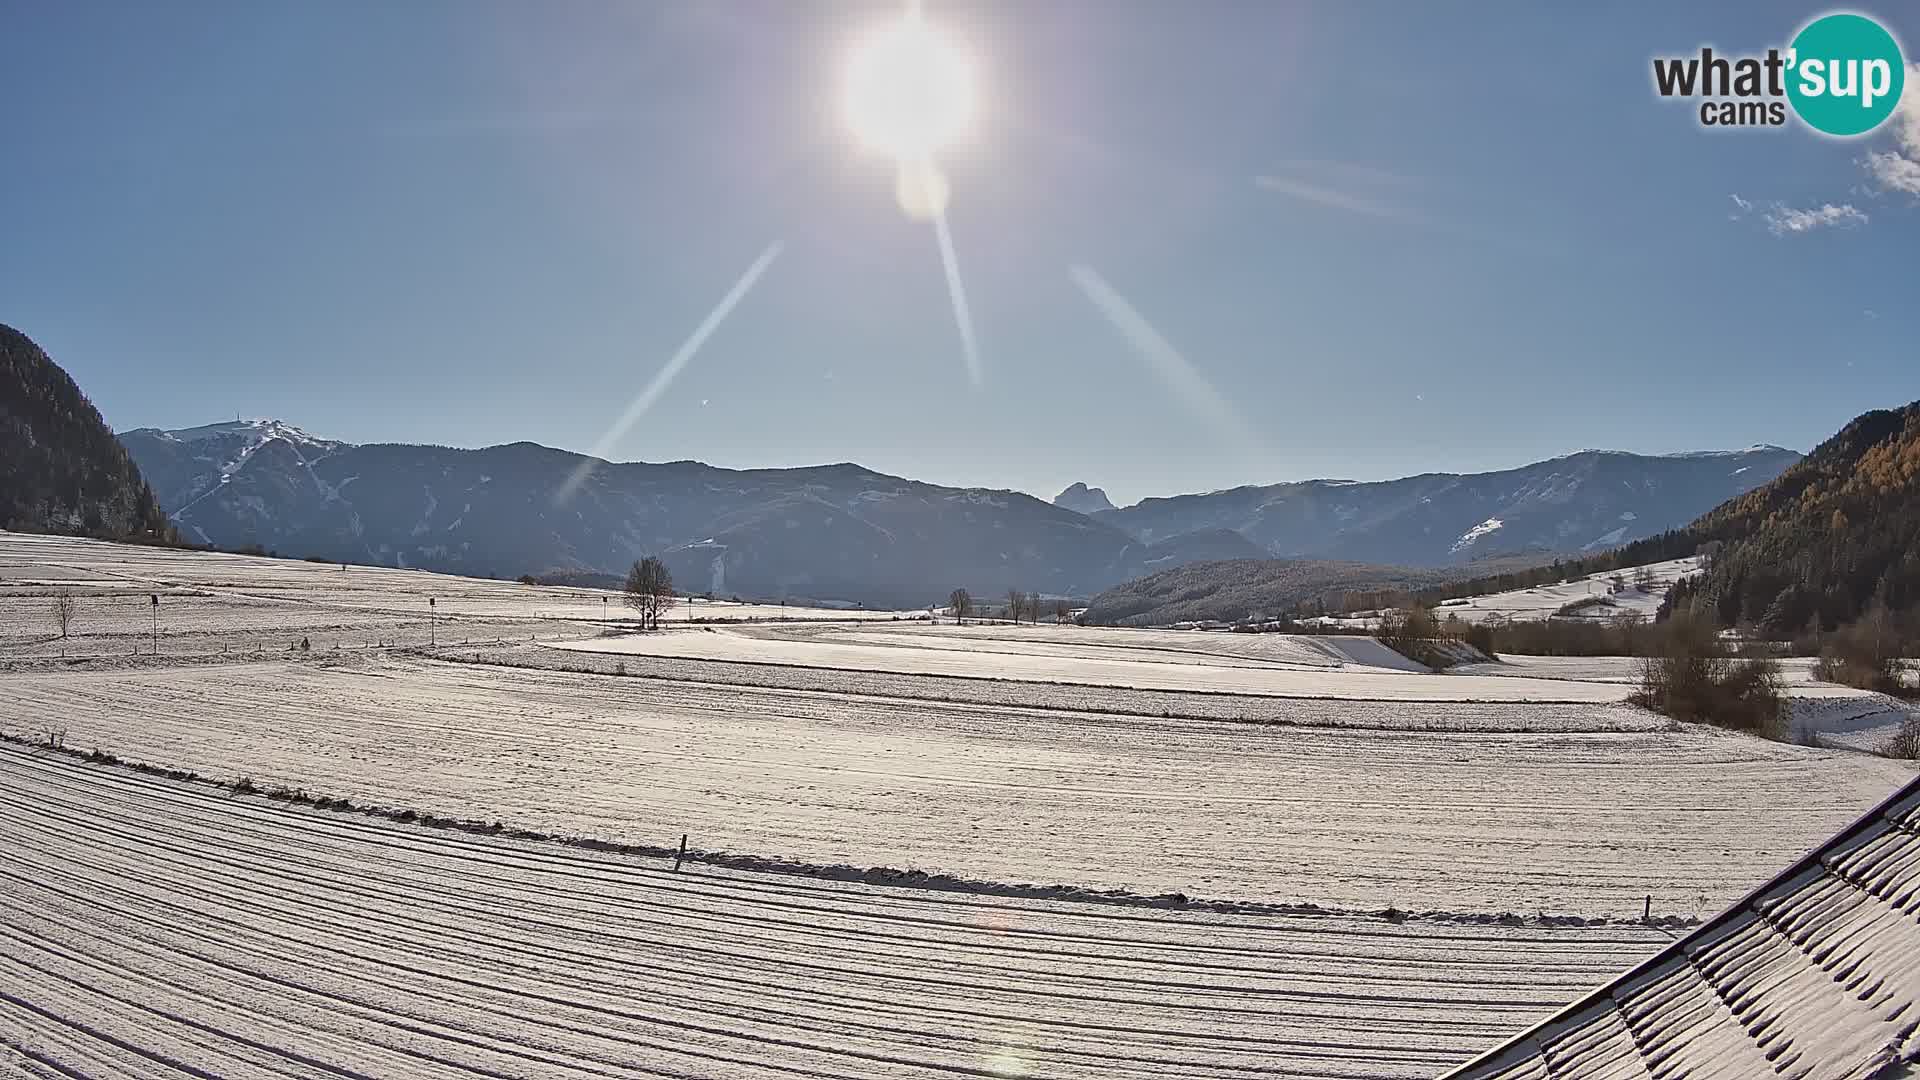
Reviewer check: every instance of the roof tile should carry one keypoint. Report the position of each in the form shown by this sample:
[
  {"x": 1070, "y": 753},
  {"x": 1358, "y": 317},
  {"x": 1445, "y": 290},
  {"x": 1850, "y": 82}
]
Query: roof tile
[{"x": 1814, "y": 976}]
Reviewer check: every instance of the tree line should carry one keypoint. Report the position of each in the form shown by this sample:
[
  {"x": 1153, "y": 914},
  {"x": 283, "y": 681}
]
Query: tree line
[{"x": 1030, "y": 606}]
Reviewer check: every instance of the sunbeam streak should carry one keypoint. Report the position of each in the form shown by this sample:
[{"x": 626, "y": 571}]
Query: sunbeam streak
[
  {"x": 1181, "y": 377},
  {"x": 962, "y": 316},
  {"x": 638, "y": 407}
]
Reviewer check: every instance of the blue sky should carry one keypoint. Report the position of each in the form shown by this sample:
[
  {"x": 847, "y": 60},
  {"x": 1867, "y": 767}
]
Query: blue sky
[{"x": 1391, "y": 238}]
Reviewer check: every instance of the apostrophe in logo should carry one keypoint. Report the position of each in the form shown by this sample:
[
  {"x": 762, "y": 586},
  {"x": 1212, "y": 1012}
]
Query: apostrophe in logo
[
  {"x": 1846, "y": 74},
  {"x": 1842, "y": 75}
]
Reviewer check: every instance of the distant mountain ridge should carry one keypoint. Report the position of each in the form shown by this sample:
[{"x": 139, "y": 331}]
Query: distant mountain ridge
[
  {"x": 1585, "y": 501},
  {"x": 61, "y": 469},
  {"x": 829, "y": 532},
  {"x": 1082, "y": 499}
]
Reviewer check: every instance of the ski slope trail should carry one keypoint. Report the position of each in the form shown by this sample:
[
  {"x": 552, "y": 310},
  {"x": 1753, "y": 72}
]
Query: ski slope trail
[{"x": 152, "y": 928}]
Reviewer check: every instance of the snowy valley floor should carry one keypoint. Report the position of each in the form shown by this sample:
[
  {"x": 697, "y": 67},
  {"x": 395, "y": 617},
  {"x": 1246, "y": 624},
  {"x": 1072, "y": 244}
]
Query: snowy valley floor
[
  {"x": 1521, "y": 814},
  {"x": 158, "y": 928},
  {"x": 1579, "y": 815}
]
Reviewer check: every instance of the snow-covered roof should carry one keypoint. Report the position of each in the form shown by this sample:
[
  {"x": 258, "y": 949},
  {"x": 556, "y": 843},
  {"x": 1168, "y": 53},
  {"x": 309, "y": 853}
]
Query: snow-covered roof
[{"x": 1814, "y": 974}]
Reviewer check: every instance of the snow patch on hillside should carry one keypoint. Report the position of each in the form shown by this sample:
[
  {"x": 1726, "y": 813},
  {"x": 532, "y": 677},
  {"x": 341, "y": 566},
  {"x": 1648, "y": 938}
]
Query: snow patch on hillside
[
  {"x": 1543, "y": 601},
  {"x": 1606, "y": 539},
  {"x": 1472, "y": 536}
]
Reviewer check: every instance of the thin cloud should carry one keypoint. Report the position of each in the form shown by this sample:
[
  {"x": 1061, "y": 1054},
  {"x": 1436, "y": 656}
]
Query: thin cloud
[
  {"x": 1784, "y": 220},
  {"x": 1894, "y": 172},
  {"x": 1899, "y": 169},
  {"x": 1788, "y": 220},
  {"x": 1337, "y": 199}
]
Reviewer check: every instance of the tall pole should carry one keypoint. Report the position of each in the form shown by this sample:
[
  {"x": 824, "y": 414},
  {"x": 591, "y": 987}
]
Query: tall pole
[
  {"x": 433, "y": 632},
  {"x": 154, "y": 602}
]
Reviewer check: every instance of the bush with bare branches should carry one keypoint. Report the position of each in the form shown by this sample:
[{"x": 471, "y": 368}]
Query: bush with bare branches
[
  {"x": 1694, "y": 677},
  {"x": 1904, "y": 743},
  {"x": 1865, "y": 654}
]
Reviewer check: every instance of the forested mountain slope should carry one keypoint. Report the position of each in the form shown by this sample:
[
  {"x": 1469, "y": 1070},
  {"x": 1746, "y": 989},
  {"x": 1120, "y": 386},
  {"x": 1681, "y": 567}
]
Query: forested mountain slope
[
  {"x": 61, "y": 469},
  {"x": 1829, "y": 538}
]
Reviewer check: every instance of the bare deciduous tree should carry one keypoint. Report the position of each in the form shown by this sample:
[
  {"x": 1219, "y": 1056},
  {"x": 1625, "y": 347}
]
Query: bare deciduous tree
[
  {"x": 1062, "y": 611},
  {"x": 1033, "y": 608},
  {"x": 1904, "y": 743},
  {"x": 960, "y": 602},
  {"x": 649, "y": 591},
  {"x": 63, "y": 611},
  {"x": 1016, "y": 603}
]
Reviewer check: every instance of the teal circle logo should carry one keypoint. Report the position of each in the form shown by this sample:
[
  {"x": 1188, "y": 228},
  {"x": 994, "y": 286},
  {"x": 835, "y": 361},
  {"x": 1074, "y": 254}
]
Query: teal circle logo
[{"x": 1845, "y": 74}]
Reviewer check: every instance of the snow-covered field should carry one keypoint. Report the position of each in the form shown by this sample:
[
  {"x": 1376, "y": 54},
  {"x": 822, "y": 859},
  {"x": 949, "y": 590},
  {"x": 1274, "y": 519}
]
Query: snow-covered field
[
  {"x": 1412, "y": 811},
  {"x": 151, "y": 923},
  {"x": 209, "y": 601},
  {"x": 1825, "y": 713},
  {"x": 150, "y": 927},
  {"x": 1317, "y": 711},
  {"x": 1845, "y": 717},
  {"x": 1610, "y": 599},
  {"x": 1255, "y": 664},
  {"x": 1795, "y": 671}
]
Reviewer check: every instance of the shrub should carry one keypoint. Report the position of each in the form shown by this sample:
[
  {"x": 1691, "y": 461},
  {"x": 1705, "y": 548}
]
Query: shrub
[
  {"x": 1693, "y": 677},
  {"x": 1905, "y": 743},
  {"x": 1865, "y": 654}
]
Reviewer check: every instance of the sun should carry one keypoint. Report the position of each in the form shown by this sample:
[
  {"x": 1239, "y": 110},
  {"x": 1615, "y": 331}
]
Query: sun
[{"x": 909, "y": 90}]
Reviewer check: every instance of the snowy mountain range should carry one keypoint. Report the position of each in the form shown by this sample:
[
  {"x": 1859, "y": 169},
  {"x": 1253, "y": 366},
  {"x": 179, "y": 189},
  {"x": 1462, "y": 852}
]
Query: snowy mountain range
[
  {"x": 830, "y": 532},
  {"x": 1583, "y": 502},
  {"x": 843, "y": 532}
]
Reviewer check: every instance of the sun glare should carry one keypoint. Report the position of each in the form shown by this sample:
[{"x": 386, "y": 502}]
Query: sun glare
[
  {"x": 910, "y": 93},
  {"x": 909, "y": 90}
]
